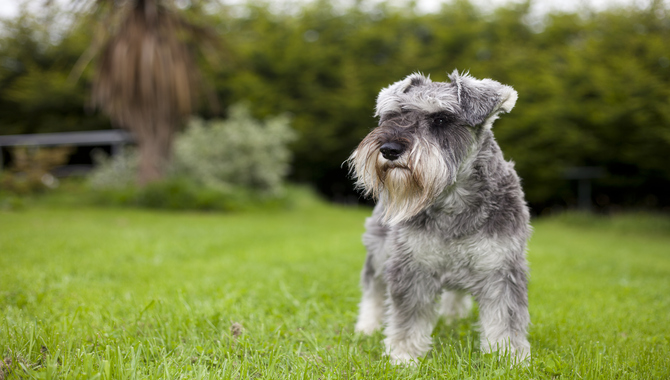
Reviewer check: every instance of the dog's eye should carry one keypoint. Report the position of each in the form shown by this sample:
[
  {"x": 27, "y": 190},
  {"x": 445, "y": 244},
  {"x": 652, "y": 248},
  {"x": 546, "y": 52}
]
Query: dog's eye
[{"x": 440, "y": 121}]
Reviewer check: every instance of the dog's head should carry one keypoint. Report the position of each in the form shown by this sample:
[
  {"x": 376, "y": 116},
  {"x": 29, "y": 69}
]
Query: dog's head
[{"x": 426, "y": 132}]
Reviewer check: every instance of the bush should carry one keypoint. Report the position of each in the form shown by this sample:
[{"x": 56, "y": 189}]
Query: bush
[
  {"x": 29, "y": 172},
  {"x": 232, "y": 164},
  {"x": 183, "y": 194},
  {"x": 237, "y": 152},
  {"x": 116, "y": 172}
]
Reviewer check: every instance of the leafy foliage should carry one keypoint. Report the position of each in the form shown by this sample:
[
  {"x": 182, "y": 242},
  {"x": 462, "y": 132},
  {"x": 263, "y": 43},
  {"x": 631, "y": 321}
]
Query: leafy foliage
[
  {"x": 594, "y": 87},
  {"x": 218, "y": 165},
  {"x": 116, "y": 172},
  {"x": 30, "y": 170},
  {"x": 35, "y": 95},
  {"x": 238, "y": 151}
]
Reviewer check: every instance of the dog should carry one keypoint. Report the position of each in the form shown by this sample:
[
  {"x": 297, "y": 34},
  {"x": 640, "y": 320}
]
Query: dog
[{"x": 450, "y": 221}]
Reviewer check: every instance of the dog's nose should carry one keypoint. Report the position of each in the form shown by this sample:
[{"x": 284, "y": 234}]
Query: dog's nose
[{"x": 391, "y": 150}]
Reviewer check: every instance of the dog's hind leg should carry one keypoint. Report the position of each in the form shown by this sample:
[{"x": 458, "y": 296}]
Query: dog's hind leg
[{"x": 455, "y": 305}]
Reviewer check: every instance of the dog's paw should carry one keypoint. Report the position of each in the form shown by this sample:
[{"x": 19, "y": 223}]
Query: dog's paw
[
  {"x": 369, "y": 319},
  {"x": 366, "y": 326},
  {"x": 402, "y": 353},
  {"x": 402, "y": 359},
  {"x": 516, "y": 356},
  {"x": 520, "y": 357}
]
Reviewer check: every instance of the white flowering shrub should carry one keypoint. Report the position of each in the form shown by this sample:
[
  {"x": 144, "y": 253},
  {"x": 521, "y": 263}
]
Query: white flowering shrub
[
  {"x": 115, "y": 172},
  {"x": 236, "y": 152},
  {"x": 217, "y": 165}
]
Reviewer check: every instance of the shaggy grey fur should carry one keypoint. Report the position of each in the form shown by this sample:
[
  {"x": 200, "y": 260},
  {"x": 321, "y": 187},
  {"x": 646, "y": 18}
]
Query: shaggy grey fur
[{"x": 450, "y": 220}]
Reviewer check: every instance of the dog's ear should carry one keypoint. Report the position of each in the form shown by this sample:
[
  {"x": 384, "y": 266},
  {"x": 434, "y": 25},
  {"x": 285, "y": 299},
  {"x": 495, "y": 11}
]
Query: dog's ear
[
  {"x": 482, "y": 100},
  {"x": 389, "y": 98}
]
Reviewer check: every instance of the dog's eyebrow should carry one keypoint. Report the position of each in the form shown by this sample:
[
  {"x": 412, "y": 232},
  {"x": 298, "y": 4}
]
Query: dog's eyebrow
[
  {"x": 388, "y": 115},
  {"x": 394, "y": 114},
  {"x": 447, "y": 115}
]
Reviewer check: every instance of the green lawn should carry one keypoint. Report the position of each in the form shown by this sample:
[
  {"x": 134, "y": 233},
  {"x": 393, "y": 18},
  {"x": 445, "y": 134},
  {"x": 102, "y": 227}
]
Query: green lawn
[{"x": 117, "y": 293}]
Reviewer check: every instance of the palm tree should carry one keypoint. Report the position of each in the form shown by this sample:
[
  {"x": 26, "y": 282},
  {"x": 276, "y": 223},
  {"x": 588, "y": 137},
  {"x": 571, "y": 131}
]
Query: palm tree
[{"x": 146, "y": 77}]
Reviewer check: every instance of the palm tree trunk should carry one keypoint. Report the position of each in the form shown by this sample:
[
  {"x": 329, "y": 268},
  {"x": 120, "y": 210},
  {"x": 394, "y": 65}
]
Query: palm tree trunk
[{"x": 155, "y": 147}]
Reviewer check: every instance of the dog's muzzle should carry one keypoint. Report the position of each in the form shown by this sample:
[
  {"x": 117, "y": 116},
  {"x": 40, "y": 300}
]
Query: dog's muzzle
[{"x": 392, "y": 150}]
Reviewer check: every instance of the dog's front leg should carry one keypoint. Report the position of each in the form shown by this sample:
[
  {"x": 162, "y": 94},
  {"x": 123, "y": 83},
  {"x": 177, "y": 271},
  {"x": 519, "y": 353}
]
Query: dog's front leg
[
  {"x": 503, "y": 312},
  {"x": 371, "y": 309},
  {"x": 412, "y": 290}
]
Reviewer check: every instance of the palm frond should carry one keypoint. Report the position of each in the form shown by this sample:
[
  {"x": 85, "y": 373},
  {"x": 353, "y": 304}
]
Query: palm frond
[{"x": 145, "y": 70}]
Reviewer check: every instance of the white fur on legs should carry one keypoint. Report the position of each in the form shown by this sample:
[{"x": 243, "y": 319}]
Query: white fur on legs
[
  {"x": 455, "y": 305},
  {"x": 515, "y": 346},
  {"x": 519, "y": 354},
  {"x": 407, "y": 339},
  {"x": 370, "y": 313},
  {"x": 503, "y": 329},
  {"x": 372, "y": 308}
]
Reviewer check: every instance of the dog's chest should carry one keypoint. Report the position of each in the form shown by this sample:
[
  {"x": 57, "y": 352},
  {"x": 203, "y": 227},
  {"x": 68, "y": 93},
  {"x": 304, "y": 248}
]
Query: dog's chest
[{"x": 471, "y": 253}]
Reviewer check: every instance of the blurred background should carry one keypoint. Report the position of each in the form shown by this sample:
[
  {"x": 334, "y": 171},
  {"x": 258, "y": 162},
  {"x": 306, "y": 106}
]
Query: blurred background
[{"x": 217, "y": 104}]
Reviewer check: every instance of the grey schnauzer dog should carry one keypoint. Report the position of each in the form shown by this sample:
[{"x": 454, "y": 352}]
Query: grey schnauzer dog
[{"x": 450, "y": 219}]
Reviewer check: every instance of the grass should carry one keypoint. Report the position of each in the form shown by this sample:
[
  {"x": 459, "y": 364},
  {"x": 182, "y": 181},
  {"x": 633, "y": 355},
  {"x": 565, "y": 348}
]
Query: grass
[{"x": 110, "y": 293}]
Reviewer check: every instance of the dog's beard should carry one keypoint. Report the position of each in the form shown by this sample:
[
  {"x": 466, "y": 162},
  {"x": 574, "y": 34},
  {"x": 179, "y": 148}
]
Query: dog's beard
[{"x": 405, "y": 186}]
